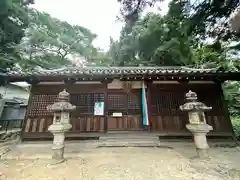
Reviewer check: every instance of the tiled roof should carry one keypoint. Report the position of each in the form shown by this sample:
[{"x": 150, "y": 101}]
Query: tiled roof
[{"x": 108, "y": 71}]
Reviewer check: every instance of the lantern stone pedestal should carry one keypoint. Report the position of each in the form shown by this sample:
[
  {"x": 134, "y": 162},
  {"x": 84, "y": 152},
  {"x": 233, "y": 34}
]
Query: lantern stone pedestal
[
  {"x": 197, "y": 122},
  {"x": 60, "y": 125},
  {"x": 58, "y": 142},
  {"x": 199, "y": 132}
]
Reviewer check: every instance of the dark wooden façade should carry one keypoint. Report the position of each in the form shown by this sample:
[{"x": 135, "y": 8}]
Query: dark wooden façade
[{"x": 163, "y": 102}]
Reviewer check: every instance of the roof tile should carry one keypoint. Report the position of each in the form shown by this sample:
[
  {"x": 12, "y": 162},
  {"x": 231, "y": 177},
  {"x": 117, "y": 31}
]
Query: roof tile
[{"x": 70, "y": 71}]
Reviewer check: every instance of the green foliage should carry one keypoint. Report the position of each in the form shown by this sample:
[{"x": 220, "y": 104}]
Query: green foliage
[
  {"x": 236, "y": 126},
  {"x": 13, "y": 21},
  {"x": 51, "y": 43},
  {"x": 232, "y": 95},
  {"x": 206, "y": 18},
  {"x": 208, "y": 57},
  {"x": 211, "y": 19},
  {"x": 29, "y": 38},
  {"x": 179, "y": 38},
  {"x": 99, "y": 58},
  {"x": 130, "y": 9},
  {"x": 155, "y": 40}
]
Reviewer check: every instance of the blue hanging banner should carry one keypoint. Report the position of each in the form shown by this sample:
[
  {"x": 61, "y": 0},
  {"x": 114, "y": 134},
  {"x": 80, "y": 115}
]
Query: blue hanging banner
[{"x": 144, "y": 106}]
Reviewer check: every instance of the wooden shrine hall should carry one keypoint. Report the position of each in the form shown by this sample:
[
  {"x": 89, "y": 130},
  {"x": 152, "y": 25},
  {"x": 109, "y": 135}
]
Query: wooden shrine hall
[{"x": 119, "y": 89}]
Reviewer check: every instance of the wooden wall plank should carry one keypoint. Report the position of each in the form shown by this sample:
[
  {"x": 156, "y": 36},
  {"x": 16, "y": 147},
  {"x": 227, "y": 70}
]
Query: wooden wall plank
[
  {"x": 176, "y": 121},
  {"x": 75, "y": 124},
  {"x": 82, "y": 124},
  {"x": 28, "y": 124},
  {"x": 49, "y": 123},
  {"x": 88, "y": 124},
  {"x": 178, "y": 124},
  {"x": 41, "y": 126},
  {"x": 154, "y": 122},
  {"x": 159, "y": 123},
  {"x": 137, "y": 121},
  {"x": 126, "y": 123},
  {"x": 96, "y": 123},
  {"x": 120, "y": 122},
  {"x": 111, "y": 122},
  {"x": 34, "y": 126},
  {"x": 102, "y": 125}
]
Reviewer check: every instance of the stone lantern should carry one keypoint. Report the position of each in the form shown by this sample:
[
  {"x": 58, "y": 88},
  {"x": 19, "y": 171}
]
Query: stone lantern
[
  {"x": 60, "y": 124},
  {"x": 197, "y": 121}
]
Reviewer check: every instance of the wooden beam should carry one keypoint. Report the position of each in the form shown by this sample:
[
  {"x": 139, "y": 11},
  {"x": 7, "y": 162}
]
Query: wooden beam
[
  {"x": 24, "y": 121},
  {"x": 106, "y": 82},
  {"x": 183, "y": 80},
  {"x": 32, "y": 80},
  {"x": 70, "y": 81}
]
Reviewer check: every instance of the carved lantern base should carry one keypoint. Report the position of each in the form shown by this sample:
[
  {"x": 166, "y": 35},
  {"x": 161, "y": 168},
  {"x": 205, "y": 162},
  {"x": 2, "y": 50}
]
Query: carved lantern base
[{"x": 199, "y": 132}]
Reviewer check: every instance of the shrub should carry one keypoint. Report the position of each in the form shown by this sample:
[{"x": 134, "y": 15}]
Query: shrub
[{"x": 236, "y": 126}]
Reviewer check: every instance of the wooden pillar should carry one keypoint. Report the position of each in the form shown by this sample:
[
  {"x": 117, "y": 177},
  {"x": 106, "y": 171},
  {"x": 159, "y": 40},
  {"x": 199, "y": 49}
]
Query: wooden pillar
[
  {"x": 24, "y": 121},
  {"x": 106, "y": 82},
  {"x": 225, "y": 108}
]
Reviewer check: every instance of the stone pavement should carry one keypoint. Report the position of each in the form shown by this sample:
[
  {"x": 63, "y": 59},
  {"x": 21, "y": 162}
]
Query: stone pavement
[
  {"x": 133, "y": 163},
  {"x": 42, "y": 150},
  {"x": 78, "y": 149}
]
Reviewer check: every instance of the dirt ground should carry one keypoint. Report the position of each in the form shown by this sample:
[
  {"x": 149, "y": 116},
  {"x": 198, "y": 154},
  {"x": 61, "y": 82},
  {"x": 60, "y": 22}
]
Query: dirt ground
[{"x": 130, "y": 164}]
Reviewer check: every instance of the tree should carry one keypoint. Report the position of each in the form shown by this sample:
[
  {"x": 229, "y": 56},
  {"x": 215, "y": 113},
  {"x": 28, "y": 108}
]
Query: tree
[
  {"x": 157, "y": 40},
  {"x": 131, "y": 9},
  {"x": 51, "y": 43},
  {"x": 208, "y": 18},
  {"x": 181, "y": 38},
  {"x": 13, "y": 22}
]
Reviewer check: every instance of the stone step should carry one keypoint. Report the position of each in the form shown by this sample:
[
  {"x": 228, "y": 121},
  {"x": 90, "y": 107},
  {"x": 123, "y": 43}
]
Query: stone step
[
  {"x": 129, "y": 140},
  {"x": 128, "y": 136},
  {"x": 129, "y": 143}
]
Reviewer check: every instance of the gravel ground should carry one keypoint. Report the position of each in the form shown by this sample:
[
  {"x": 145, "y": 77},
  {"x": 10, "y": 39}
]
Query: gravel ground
[{"x": 130, "y": 164}]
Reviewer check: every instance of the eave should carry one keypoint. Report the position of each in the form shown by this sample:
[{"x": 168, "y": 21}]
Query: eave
[{"x": 126, "y": 74}]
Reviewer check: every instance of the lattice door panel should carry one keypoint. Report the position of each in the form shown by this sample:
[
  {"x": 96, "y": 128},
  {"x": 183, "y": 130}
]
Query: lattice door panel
[
  {"x": 212, "y": 99},
  {"x": 117, "y": 103},
  {"x": 85, "y": 102},
  {"x": 127, "y": 104},
  {"x": 167, "y": 103},
  {"x": 39, "y": 103},
  {"x": 134, "y": 103}
]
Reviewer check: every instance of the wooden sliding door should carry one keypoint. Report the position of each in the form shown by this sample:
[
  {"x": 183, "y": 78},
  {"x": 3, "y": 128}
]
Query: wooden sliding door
[{"x": 124, "y": 110}]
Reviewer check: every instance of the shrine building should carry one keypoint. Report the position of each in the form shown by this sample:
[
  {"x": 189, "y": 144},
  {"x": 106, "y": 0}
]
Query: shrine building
[{"x": 114, "y": 99}]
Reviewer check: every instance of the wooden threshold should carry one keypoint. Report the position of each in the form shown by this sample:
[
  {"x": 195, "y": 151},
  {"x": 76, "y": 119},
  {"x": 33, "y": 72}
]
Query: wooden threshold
[
  {"x": 90, "y": 135},
  {"x": 68, "y": 135},
  {"x": 185, "y": 133}
]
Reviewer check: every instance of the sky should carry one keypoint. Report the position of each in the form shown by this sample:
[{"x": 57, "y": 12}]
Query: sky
[{"x": 97, "y": 15}]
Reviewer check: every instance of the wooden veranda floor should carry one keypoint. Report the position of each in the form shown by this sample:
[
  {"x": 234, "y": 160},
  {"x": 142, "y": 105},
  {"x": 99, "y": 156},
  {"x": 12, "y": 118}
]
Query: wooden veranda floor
[{"x": 83, "y": 136}]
